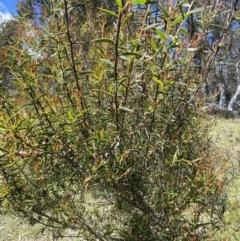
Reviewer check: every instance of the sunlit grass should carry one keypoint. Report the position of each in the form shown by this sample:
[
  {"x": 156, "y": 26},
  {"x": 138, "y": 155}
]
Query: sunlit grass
[
  {"x": 226, "y": 139},
  {"x": 14, "y": 228}
]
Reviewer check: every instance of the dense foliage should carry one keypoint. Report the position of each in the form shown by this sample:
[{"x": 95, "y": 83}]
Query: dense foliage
[{"x": 103, "y": 128}]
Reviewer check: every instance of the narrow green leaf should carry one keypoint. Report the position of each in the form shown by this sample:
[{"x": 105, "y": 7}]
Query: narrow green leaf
[
  {"x": 70, "y": 9},
  {"x": 175, "y": 157},
  {"x": 177, "y": 20},
  {"x": 107, "y": 62},
  {"x": 174, "y": 43},
  {"x": 10, "y": 164},
  {"x": 160, "y": 82},
  {"x": 119, "y": 3},
  {"x": 184, "y": 31},
  {"x": 103, "y": 91},
  {"x": 197, "y": 10},
  {"x": 70, "y": 114},
  {"x": 182, "y": 17},
  {"x": 104, "y": 40},
  {"x": 67, "y": 71},
  {"x": 126, "y": 19},
  {"x": 30, "y": 129},
  {"x": 108, "y": 12},
  {"x": 3, "y": 128},
  {"x": 164, "y": 10},
  {"x": 151, "y": 26},
  {"x": 138, "y": 1},
  {"x": 217, "y": 26},
  {"x": 25, "y": 62},
  {"x": 85, "y": 73},
  {"x": 161, "y": 34},
  {"x": 130, "y": 53},
  {"x": 184, "y": 3},
  {"x": 2, "y": 154},
  {"x": 125, "y": 109},
  {"x": 124, "y": 57},
  {"x": 181, "y": 10}
]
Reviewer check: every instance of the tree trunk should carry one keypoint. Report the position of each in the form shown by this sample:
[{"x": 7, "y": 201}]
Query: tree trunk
[
  {"x": 222, "y": 101},
  {"x": 233, "y": 101}
]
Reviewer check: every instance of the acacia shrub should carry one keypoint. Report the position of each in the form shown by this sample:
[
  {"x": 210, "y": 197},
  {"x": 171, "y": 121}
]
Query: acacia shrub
[{"x": 110, "y": 141}]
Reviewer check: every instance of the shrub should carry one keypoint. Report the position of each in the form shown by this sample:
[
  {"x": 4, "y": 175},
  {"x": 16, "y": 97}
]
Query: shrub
[{"x": 109, "y": 138}]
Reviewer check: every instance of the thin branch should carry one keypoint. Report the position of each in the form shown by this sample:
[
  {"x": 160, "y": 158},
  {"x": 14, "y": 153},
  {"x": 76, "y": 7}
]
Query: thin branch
[
  {"x": 116, "y": 69},
  {"x": 71, "y": 45}
]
